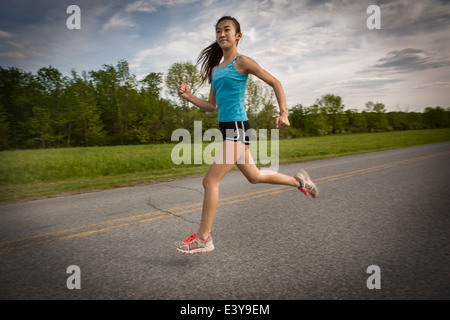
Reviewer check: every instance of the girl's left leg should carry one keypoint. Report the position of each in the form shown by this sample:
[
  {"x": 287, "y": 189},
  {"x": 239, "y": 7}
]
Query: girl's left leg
[
  {"x": 254, "y": 175},
  {"x": 301, "y": 180}
]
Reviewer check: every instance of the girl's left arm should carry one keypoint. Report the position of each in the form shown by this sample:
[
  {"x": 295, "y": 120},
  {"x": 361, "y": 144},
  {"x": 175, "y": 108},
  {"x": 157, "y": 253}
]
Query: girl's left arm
[{"x": 249, "y": 66}]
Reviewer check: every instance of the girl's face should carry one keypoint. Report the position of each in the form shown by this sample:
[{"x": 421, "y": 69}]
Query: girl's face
[{"x": 226, "y": 35}]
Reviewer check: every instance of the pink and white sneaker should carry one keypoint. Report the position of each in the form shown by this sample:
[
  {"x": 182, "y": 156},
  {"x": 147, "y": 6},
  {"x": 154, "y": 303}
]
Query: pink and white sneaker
[
  {"x": 193, "y": 244},
  {"x": 306, "y": 185}
]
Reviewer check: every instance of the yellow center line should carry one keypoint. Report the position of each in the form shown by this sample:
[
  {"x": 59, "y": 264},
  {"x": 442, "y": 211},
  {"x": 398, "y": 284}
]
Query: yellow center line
[
  {"x": 143, "y": 215},
  {"x": 90, "y": 225},
  {"x": 165, "y": 213}
]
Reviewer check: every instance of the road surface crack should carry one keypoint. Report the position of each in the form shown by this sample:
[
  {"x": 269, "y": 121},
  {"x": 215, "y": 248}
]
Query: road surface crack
[
  {"x": 187, "y": 188},
  {"x": 151, "y": 204}
]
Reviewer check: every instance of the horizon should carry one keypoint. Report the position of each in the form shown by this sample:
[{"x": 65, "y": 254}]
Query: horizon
[{"x": 313, "y": 47}]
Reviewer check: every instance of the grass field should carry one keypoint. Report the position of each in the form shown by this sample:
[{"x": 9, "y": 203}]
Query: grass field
[{"x": 37, "y": 173}]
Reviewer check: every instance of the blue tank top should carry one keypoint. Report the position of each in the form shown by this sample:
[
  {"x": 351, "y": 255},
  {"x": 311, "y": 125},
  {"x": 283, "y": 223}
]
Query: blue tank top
[{"x": 229, "y": 88}]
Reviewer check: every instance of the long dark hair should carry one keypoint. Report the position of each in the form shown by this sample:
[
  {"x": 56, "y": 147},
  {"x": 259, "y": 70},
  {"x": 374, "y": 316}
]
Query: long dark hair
[{"x": 210, "y": 56}]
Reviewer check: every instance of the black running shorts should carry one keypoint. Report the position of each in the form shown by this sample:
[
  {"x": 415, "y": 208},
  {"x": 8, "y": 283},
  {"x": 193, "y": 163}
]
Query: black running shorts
[{"x": 236, "y": 131}]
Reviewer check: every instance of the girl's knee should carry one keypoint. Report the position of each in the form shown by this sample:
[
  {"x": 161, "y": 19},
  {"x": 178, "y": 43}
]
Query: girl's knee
[
  {"x": 209, "y": 183},
  {"x": 254, "y": 179}
]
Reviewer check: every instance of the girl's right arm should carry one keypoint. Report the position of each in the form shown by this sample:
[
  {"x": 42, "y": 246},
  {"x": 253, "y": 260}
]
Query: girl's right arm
[{"x": 185, "y": 92}]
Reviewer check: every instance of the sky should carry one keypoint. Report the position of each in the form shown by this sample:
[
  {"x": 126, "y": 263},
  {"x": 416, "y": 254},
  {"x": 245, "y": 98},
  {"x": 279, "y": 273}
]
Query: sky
[{"x": 313, "y": 47}]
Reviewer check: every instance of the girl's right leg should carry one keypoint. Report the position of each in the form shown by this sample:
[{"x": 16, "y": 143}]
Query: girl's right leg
[
  {"x": 224, "y": 161},
  {"x": 211, "y": 197}
]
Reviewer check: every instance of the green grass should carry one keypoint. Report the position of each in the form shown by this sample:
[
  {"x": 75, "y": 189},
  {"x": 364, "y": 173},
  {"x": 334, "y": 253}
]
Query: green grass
[
  {"x": 38, "y": 173},
  {"x": 338, "y": 145}
]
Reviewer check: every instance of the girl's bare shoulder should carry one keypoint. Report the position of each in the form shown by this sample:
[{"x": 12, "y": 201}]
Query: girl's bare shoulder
[
  {"x": 244, "y": 60},
  {"x": 246, "y": 64}
]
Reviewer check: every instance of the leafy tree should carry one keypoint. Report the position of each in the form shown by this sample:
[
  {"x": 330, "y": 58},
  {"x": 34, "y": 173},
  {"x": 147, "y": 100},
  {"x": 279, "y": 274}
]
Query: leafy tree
[
  {"x": 189, "y": 74},
  {"x": 106, "y": 84},
  {"x": 375, "y": 116},
  {"x": 319, "y": 120},
  {"x": 18, "y": 92},
  {"x": 356, "y": 122},
  {"x": 266, "y": 118},
  {"x": 253, "y": 96},
  {"x": 40, "y": 127},
  {"x": 115, "y": 90},
  {"x": 375, "y": 107},
  {"x": 299, "y": 117},
  {"x": 152, "y": 84},
  {"x": 436, "y": 117},
  {"x": 4, "y": 128},
  {"x": 85, "y": 127},
  {"x": 331, "y": 106},
  {"x": 186, "y": 72},
  {"x": 51, "y": 86}
]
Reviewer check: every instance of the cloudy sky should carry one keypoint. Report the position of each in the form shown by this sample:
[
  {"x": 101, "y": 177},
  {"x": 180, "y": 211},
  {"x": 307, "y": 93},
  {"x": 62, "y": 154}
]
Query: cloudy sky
[{"x": 312, "y": 47}]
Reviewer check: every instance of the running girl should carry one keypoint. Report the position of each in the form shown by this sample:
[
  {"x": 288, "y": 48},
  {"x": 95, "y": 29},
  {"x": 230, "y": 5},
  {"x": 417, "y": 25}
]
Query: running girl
[{"x": 227, "y": 71}]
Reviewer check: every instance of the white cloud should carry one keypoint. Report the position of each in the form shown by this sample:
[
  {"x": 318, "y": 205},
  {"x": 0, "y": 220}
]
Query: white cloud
[
  {"x": 119, "y": 20},
  {"x": 17, "y": 44},
  {"x": 5, "y": 34},
  {"x": 12, "y": 54},
  {"x": 411, "y": 59},
  {"x": 160, "y": 57},
  {"x": 370, "y": 82},
  {"x": 437, "y": 84},
  {"x": 153, "y": 5},
  {"x": 143, "y": 6},
  {"x": 124, "y": 18}
]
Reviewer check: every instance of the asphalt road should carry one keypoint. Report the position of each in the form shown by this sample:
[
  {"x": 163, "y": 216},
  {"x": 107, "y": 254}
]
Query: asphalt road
[{"x": 389, "y": 209}]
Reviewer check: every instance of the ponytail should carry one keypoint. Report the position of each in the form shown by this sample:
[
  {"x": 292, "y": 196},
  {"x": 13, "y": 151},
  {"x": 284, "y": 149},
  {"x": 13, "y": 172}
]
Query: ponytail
[{"x": 210, "y": 56}]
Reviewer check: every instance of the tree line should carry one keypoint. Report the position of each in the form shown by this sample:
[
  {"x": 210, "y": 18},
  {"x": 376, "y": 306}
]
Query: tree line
[{"x": 111, "y": 107}]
